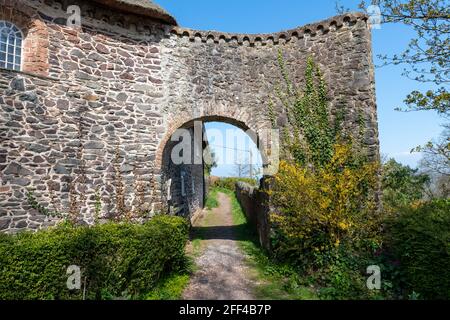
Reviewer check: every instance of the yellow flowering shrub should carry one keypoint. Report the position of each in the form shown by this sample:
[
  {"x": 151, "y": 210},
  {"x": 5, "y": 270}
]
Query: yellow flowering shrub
[{"x": 316, "y": 209}]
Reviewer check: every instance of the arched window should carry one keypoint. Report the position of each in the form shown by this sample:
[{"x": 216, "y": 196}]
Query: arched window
[{"x": 10, "y": 46}]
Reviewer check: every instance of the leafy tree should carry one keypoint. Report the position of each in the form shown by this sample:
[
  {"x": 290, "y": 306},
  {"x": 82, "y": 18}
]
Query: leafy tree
[
  {"x": 427, "y": 56},
  {"x": 427, "y": 60},
  {"x": 210, "y": 160},
  {"x": 436, "y": 163},
  {"x": 402, "y": 185},
  {"x": 436, "y": 155},
  {"x": 243, "y": 167}
]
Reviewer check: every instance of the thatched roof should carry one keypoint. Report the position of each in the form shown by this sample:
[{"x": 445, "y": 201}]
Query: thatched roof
[{"x": 141, "y": 7}]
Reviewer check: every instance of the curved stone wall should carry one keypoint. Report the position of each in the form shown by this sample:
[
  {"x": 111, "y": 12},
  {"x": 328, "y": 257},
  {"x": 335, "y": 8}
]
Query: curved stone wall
[{"x": 126, "y": 82}]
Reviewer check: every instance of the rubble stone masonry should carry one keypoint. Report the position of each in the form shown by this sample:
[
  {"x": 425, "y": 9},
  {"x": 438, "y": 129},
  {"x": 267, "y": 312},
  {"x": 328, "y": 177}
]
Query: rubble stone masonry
[{"x": 128, "y": 82}]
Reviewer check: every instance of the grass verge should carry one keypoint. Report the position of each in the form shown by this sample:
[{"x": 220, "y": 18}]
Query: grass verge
[
  {"x": 211, "y": 201},
  {"x": 276, "y": 281},
  {"x": 170, "y": 288}
]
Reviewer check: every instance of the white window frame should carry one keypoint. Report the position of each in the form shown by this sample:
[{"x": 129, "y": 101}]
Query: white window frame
[{"x": 13, "y": 26}]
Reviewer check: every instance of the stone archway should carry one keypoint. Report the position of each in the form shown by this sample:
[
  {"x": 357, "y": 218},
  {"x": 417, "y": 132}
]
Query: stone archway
[
  {"x": 183, "y": 186},
  {"x": 128, "y": 83},
  {"x": 209, "y": 112}
]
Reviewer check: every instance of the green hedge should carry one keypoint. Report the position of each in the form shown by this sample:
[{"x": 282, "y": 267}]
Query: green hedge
[
  {"x": 116, "y": 260},
  {"x": 230, "y": 183},
  {"x": 420, "y": 239}
]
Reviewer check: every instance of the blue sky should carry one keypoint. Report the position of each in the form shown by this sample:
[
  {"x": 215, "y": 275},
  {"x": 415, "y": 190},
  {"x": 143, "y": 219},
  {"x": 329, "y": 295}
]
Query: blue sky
[
  {"x": 399, "y": 132},
  {"x": 232, "y": 145}
]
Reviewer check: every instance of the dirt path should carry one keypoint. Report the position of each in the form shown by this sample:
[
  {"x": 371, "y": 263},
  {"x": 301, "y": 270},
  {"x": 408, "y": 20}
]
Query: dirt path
[{"x": 222, "y": 273}]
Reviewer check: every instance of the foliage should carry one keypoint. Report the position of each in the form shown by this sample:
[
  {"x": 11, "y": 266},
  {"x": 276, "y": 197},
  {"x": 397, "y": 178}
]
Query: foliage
[
  {"x": 170, "y": 288},
  {"x": 427, "y": 54},
  {"x": 345, "y": 278},
  {"x": 427, "y": 61},
  {"x": 77, "y": 184},
  {"x": 438, "y": 100},
  {"x": 310, "y": 134},
  {"x": 139, "y": 196},
  {"x": 116, "y": 260},
  {"x": 34, "y": 203},
  {"x": 323, "y": 198},
  {"x": 230, "y": 183},
  {"x": 419, "y": 237},
  {"x": 402, "y": 185},
  {"x": 211, "y": 201},
  {"x": 97, "y": 206},
  {"x": 210, "y": 160},
  {"x": 121, "y": 210},
  {"x": 316, "y": 211},
  {"x": 324, "y": 213},
  {"x": 436, "y": 155}
]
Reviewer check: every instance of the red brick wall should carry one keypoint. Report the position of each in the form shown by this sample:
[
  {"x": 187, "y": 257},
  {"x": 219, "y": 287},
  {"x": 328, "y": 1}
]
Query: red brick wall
[{"x": 36, "y": 42}]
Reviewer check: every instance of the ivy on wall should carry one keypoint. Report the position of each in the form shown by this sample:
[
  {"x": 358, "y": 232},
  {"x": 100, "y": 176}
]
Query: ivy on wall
[
  {"x": 309, "y": 130},
  {"x": 309, "y": 134}
]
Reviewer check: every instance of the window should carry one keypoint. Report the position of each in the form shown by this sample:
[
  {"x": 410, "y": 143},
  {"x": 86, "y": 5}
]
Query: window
[{"x": 10, "y": 46}]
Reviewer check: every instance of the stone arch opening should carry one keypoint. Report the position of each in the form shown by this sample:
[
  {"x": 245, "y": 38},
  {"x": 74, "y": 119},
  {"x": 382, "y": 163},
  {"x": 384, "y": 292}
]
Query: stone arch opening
[{"x": 183, "y": 161}]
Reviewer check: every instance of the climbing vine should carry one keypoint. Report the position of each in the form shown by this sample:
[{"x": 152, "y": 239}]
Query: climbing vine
[
  {"x": 323, "y": 197},
  {"x": 310, "y": 134}
]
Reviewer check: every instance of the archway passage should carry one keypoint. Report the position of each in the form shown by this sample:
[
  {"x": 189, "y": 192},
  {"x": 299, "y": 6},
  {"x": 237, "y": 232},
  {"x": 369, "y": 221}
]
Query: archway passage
[{"x": 199, "y": 148}]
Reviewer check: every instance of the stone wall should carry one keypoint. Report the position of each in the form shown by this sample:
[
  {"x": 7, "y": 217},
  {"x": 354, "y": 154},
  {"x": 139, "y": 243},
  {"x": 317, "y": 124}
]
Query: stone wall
[
  {"x": 184, "y": 183},
  {"x": 255, "y": 205},
  {"x": 125, "y": 82}
]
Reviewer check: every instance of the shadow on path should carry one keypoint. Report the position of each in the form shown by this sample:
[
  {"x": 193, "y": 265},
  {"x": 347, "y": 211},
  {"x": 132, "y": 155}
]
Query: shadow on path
[
  {"x": 236, "y": 232},
  {"x": 223, "y": 273}
]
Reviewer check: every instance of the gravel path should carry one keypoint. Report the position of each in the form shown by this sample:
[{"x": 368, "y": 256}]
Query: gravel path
[{"x": 222, "y": 273}]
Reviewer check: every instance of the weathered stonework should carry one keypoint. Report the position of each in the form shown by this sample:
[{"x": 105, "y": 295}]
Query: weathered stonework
[
  {"x": 255, "y": 205},
  {"x": 131, "y": 81}
]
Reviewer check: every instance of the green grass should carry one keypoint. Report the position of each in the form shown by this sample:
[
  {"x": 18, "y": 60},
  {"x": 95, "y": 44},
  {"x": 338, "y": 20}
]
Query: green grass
[
  {"x": 211, "y": 201},
  {"x": 196, "y": 245},
  {"x": 170, "y": 288},
  {"x": 198, "y": 235},
  {"x": 277, "y": 282}
]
